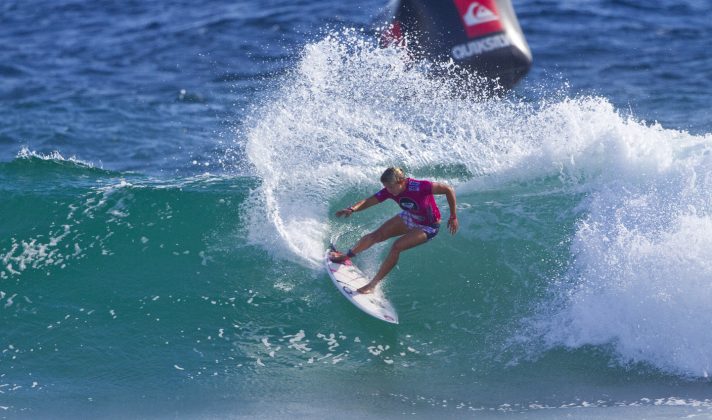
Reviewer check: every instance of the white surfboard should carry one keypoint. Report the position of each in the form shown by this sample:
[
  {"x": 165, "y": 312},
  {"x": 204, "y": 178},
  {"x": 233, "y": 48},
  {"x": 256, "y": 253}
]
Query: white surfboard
[{"x": 348, "y": 278}]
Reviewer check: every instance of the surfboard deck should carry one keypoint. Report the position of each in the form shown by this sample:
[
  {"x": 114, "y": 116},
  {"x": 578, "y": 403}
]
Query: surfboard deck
[{"x": 348, "y": 278}]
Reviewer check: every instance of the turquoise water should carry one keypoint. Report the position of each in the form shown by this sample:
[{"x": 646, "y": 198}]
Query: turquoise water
[{"x": 161, "y": 234}]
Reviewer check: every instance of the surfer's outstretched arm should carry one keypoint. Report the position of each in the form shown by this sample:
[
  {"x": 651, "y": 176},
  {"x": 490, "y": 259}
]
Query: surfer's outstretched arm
[{"x": 361, "y": 205}]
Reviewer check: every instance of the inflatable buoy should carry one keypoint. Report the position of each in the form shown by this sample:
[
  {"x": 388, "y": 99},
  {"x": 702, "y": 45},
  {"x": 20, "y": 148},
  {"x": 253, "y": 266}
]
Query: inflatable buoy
[{"x": 480, "y": 36}]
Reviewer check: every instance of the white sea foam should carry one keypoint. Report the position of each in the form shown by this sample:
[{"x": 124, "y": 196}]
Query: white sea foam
[
  {"x": 641, "y": 259},
  {"x": 641, "y": 279},
  {"x": 641, "y": 256}
]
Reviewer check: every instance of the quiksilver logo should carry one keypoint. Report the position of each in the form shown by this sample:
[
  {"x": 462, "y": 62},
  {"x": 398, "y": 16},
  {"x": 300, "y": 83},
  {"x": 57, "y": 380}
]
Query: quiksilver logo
[
  {"x": 478, "y": 14},
  {"x": 479, "y": 46},
  {"x": 479, "y": 17},
  {"x": 408, "y": 204}
]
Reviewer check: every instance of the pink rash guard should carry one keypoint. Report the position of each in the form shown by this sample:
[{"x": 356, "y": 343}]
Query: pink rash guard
[{"x": 417, "y": 199}]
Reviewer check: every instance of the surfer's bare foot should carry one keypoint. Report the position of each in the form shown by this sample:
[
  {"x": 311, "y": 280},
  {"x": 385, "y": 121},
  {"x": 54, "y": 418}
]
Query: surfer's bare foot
[
  {"x": 338, "y": 257},
  {"x": 367, "y": 289}
]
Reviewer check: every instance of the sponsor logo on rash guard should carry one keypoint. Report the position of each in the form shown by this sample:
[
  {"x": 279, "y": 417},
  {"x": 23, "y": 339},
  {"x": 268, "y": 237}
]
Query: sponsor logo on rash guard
[
  {"x": 479, "y": 46},
  {"x": 408, "y": 204}
]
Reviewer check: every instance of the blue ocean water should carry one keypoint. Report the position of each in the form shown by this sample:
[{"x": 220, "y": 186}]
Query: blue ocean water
[{"x": 169, "y": 174}]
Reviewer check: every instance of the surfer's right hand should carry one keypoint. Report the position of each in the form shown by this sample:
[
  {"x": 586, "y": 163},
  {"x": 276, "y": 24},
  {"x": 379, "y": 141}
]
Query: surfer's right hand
[{"x": 345, "y": 212}]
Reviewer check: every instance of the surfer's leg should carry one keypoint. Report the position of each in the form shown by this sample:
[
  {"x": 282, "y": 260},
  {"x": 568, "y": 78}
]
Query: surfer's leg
[
  {"x": 411, "y": 239},
  {"x": 392, "y": 227}
]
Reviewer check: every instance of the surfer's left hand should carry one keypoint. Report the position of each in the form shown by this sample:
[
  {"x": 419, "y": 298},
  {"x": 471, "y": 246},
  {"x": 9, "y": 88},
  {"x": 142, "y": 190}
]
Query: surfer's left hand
[{"x": 453, "y": 225}]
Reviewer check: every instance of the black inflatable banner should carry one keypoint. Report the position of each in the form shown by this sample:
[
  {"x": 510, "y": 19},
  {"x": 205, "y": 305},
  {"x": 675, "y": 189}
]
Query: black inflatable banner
[{"x": 481, "y": 36}]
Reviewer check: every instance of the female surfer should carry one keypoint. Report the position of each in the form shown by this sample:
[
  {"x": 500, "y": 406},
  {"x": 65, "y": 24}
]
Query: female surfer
[{"x": 418, "y": 223}]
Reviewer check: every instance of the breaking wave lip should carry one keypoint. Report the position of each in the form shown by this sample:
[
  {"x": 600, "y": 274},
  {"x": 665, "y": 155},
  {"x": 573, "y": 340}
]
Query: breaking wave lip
[
  {"x": 349, "y": 109},
  {"x": 55, "y": 156}
]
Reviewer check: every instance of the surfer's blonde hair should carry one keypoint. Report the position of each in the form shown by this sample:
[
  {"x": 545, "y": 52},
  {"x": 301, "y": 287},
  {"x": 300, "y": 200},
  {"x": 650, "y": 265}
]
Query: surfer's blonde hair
[{"x": 392, "y": 175}]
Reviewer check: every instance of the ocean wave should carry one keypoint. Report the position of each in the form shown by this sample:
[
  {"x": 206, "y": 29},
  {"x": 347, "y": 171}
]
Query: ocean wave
[{"x": 350, "y": 109}]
